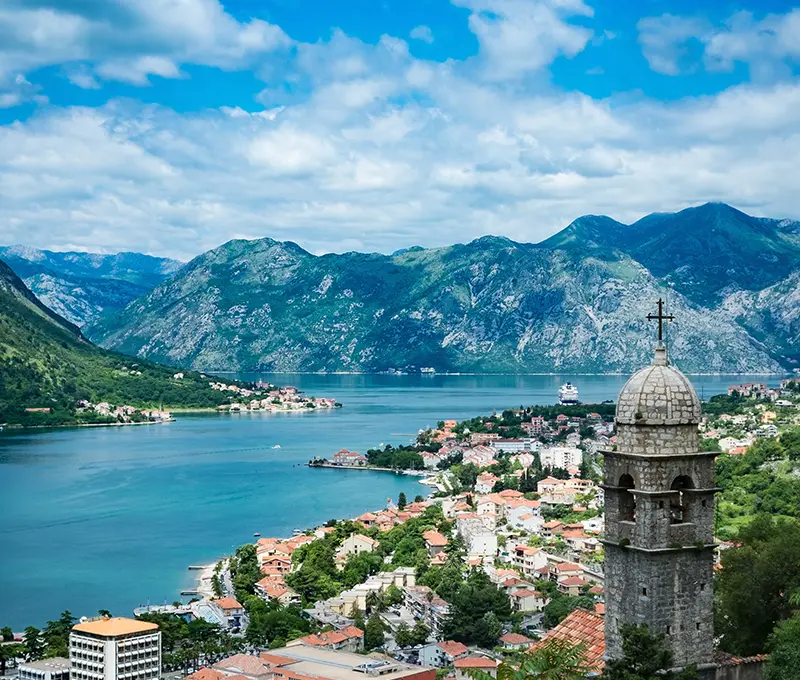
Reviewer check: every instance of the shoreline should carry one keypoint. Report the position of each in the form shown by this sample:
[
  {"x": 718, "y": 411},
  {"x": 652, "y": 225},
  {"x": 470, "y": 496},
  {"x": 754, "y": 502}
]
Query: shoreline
[
  {"x": 6, "y": 426},
  {"x": 465, "y": 373},
  {"x": 368, "y": 468}
]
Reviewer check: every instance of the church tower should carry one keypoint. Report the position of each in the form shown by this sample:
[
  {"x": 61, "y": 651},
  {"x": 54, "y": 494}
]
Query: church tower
[{"x": 659, "y": 514}]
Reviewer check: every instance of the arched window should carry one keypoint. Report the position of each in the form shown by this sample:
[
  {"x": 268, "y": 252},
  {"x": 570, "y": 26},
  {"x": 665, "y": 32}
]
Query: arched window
[
  {"x": 627, "y": 501},
  {"x": 679, "y": 506}
]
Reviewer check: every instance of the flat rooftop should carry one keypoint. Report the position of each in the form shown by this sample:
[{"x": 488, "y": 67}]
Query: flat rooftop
[
  {"x": 337, "y": 665},
  {"x": 115, "y": 627},
  {"x": 57, "y": 663}
]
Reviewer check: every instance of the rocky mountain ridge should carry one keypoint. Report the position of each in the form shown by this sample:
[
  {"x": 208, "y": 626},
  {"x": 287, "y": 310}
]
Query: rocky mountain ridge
[
  {"x": 82, "y": 286},
  {"x": 576, "y": 302}
]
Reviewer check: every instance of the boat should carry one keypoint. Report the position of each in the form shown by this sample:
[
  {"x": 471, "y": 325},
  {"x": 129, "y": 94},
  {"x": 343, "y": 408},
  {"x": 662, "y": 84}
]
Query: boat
[
  {"x": 297, "y": 532},
  {"x": 277, "y": 446},
  {"x": 256, "y": 534},
  {"x": 568, "y": 394}
]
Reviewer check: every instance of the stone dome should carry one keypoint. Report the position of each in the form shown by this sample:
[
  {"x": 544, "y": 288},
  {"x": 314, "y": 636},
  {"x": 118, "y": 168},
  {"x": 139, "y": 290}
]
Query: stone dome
[{"x": 658, "y": 394}]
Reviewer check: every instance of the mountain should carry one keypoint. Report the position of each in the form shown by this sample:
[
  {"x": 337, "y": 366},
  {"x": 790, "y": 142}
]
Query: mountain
[
  {"x": 45, "y": 362},
  {"x": 81, "y": 286},
  {"x": 575, "y": 303},
  {"x": 705, "y": 253}
]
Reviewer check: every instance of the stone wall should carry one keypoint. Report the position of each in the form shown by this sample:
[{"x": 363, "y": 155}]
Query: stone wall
[{"x": 658, "y": 439}]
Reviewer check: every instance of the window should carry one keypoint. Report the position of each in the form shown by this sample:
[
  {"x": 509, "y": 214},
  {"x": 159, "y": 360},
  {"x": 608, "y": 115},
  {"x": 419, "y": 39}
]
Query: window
[
  {"x": 644, "y": 591},
  {"x": 627, "y": 501},
  {"x": 679, "y": 505}
]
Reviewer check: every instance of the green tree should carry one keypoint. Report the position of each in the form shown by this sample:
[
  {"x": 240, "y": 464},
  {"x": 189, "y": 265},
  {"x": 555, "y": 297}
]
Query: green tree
[
  {"x": 560, "y": 606},
  {"x": 6, "y": 634},
  {"x": 754, "y": 587},
  {"x": 9, "y": 653},
  {"x": 358, "y": 619},
  {"x": 403, "y": 635},
  {"x": 32, "y": 643},
  {"x": 554, "y": 660},
  {"x": 644, "y": 657},
  {"x": 784, "y": 658},
  {"x": 474, "y": 599},
  {"x": 374, "y": 632},
  {"x": 420, "y": 633},
  {"x": 401, "y": 501}
]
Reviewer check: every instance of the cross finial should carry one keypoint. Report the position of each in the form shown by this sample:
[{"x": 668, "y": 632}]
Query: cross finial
[{"x": 661, "y": 318}]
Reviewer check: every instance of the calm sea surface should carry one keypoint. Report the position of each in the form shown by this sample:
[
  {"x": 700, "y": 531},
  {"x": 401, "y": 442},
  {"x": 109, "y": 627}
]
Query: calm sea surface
[{"x": 110, "y": 518}]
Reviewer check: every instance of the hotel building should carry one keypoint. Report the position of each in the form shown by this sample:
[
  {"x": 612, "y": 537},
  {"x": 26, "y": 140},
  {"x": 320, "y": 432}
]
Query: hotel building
[{"x": 115, "y": 649}]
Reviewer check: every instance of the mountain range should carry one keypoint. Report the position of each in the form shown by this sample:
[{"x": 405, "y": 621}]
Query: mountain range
[
  {"x": 82, "y": 286},
  {"x": 575, "y": 302}
]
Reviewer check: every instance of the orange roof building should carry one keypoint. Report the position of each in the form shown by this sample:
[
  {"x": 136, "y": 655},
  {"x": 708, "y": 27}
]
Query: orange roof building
[{"x": 581, "y": 627}]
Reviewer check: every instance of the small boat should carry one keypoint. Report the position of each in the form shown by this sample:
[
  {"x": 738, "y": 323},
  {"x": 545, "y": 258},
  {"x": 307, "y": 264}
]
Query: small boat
[
  {"x": 256, "y": 534},
  {"x": 297, "y": 532},
  {"x": 277, "y": 446}
]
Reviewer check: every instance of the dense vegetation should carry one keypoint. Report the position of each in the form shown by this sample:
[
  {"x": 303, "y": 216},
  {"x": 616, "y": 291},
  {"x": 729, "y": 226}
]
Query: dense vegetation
[
  {"x": 764, "y": 479},
  {"x": 46, "y": 363}
]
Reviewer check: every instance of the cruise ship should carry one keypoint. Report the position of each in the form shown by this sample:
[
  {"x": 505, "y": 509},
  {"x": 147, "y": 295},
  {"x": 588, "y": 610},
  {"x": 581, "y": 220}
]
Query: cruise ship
[{"x": 568, "y": 394}]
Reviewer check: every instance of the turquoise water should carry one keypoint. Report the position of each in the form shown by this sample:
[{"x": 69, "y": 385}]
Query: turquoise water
[{"x": 110, "y": 518}]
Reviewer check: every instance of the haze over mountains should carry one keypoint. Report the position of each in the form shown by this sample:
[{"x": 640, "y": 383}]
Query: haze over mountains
[{"x": 574, "y": 303}]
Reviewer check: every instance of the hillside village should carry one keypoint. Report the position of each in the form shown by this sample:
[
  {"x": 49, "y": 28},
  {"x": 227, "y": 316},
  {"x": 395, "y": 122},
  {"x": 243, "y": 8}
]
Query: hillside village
[{"x": 505, "y": 554}]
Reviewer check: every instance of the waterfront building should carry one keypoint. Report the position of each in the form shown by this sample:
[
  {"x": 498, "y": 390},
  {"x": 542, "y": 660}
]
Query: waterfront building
[
  {"x": 115, "y": 649},
  {"x": 56, "y": 668}
]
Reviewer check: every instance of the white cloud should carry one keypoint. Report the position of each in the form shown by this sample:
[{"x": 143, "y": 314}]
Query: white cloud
[
  {"x": 368, "y": 147},
  {"x": 666, "y": 41},
  {"x": 129, "y": 41},
  {"x": 422, "y": 33},
  {"x": 518, "y": 37},
  {"x": 767, "y": 46}
]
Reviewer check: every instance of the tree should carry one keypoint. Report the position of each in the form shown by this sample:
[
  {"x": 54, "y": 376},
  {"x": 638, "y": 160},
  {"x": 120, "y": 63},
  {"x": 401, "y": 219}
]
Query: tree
[
  {"x": 401, "y": 501},
  {"x": 9, "y": 653},
  {"x": 393, "y": 596},
  {"x": 489, "y": 630},
  {"x": 358, "y": 619},
  {"x": 32, "y": 643},
  {"x": 754, "y": 587},
  {"x": 471, "y": 603},
  {"x": 6, "y": 634},
  {"x": 56, "y": 635},
  {"x": 560, "y": 606},
  {"x": 784, "y": 658},
  {"x": 403, "y": 635},
  {"x": 420, "y": 633},
  {"x": 644, "y": 657},
  {"x": 419, "y": 498},
  {"x": 373, "y": 632},
  {"x": 554, "y": 660}
]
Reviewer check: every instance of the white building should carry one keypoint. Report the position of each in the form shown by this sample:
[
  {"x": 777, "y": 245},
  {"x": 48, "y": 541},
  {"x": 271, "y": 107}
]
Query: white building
[
  {"x": 45, "y": 669},
  {"x": 561, "y": 456},
  {"x": 115, "y": 649},
  {"x": 515, "y": 445}
]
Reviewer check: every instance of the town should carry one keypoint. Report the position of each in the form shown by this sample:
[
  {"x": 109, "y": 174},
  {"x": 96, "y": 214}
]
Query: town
[{"x": 504, "y": 556}]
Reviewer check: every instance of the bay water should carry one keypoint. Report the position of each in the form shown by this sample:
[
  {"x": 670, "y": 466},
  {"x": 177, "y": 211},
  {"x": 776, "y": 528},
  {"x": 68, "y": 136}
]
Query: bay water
[{"x": 111, "y": 518}]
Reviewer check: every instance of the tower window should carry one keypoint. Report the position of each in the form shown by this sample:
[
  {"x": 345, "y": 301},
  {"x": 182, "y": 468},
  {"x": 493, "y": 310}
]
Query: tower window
[
  {"x": 627, "y": 501},
  {"x": 679, "y": 507},
  {"x": 697, "y": 626},
  {"x": 644, "y": 591},
  {"x": 702, "y": 586},
  {"x": 669, "y": 630}
]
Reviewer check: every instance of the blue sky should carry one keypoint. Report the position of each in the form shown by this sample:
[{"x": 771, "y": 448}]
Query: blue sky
[{"x": 170, "y": 126}]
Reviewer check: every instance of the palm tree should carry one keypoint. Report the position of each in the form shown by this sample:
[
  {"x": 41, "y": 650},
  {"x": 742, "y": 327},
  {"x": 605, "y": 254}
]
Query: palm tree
[{"x": 553, "y": 660}]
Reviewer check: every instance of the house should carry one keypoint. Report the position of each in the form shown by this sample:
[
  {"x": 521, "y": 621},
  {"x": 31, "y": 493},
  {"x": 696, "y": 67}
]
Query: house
[
  {"x": 243, "y": 664},
  {"x": 485, "y": 482},
  {"x": 581, "y": 627},
  {"x": 466, "y": 666},
  {"x": 528, "y": 600},
  {"x": 231, "y": 610},
  {"x": 426, "y": 606},
  {"x": 516, "y": 642},
  {"x": 349, "y": 639},
  {"x": 434, "y": 541},
  {"x": 280, "y": 563},
  {"x": 268, "y": 588},
  {"x": 357, "y": 543},
  {"x": 442, "y": 654},
  {"x": 528, "y": 559},
  {"x": 551, "y": 528},
  {"x": 572, "y": 585},
  {"x": 767, "y": 431},
  {"x": 563, "y": 570},
  {"x": 349, "y": 458}
]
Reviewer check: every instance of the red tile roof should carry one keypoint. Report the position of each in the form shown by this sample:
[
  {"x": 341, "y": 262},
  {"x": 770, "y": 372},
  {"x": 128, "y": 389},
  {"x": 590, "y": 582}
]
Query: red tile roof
[
  {"x": 453, "y": 648},
  {"x": 475, "y": 662},
  {"x": 515, "y": 639},
  {"x": 276, "y": 659},
  {"x": 581, "y": 627},
  {"x": 227, "y": 603},
  {"x": 205, "y": 674},
  {"x": 434, "y": 538},
  {"x": 244, "y": 663}
]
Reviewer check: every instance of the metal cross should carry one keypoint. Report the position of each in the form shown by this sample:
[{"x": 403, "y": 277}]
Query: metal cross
[{"x": 661, "y": 319}]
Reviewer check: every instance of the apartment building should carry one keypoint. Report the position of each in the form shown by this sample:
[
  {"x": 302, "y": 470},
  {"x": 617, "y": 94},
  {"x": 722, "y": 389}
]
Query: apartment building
[{"x": 115, "y": 649}]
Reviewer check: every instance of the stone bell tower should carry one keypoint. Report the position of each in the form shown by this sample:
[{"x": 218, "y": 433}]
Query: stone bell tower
[{"x": 659, "y": 514}]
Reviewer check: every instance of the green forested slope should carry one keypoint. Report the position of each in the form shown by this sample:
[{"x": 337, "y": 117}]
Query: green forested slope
[{"x": 45, "y": 362}]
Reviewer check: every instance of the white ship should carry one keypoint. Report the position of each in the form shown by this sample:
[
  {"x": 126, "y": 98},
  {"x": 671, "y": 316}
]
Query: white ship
[{"x": 568, "y": 394}]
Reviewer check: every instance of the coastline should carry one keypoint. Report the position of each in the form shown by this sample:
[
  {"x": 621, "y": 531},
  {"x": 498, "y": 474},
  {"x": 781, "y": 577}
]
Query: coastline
[
  {"x": 14, "y": 426},
  {"x": 369, "y": 468}
]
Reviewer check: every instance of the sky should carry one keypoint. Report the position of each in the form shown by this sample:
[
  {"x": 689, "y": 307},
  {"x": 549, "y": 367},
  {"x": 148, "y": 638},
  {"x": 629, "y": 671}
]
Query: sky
[{"x": 172, "y": 126}]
